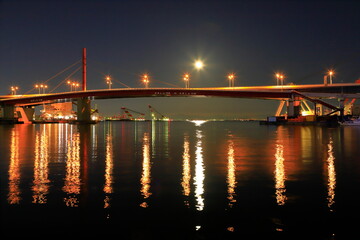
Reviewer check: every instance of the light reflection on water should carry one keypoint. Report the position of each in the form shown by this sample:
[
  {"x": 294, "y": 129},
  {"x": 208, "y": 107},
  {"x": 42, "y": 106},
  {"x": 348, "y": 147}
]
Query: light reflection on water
[
  {"x": 212, "y": 167},
  {"x": 199, "y": 172}
]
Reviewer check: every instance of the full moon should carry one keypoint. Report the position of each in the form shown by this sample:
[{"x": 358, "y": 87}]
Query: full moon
[{"x": 199, "y": 64}]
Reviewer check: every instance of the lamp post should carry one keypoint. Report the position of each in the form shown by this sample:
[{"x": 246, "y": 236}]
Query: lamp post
[
  {"x": 14, "y": 89},
  {"x": 277, "y": 78},
  {"x": 187, "y": 80},
  {"x": 331, "y": 73},
  {"x": 231, "y": 78},
  {"x": 70, "y": 84},
  {"x": 282, "y": 79},
  {"x": 108, "y": 81},
  {"x": 73, "y": 85},
  {"x": 41, "y": 87},
  {"x": 145, "y": 80}
]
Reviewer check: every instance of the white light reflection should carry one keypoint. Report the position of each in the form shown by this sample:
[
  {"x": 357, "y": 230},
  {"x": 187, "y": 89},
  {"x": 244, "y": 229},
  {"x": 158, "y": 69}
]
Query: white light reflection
[
  {"x": 331, "y": 174},
  {"x": 199, "y": 172},
  {"x": 280, "y": 175},
  {"x": 198, "y": 122}
]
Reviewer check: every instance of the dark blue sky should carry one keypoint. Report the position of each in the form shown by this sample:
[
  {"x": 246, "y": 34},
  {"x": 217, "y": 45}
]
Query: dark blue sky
[{"x": 127, "y": 38}]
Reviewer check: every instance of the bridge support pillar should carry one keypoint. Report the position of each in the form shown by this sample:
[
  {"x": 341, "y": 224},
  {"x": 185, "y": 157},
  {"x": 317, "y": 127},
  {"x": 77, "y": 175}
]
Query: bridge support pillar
[
  {"x": 293, "y": 107},
  {"x": 84, "y": 110},
  {"x": 8, "y": 112},
  {"x": 26, "y": 114}
]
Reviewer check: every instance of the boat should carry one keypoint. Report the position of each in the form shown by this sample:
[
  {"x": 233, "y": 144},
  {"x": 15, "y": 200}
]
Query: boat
[{"x": 351, "y": 122}]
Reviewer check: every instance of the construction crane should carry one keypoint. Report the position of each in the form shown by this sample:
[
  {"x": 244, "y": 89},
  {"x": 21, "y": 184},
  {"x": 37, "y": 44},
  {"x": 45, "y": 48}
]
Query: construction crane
[
  {"x": 155, "y": 115},
  {"x": 133, "y": 115}
]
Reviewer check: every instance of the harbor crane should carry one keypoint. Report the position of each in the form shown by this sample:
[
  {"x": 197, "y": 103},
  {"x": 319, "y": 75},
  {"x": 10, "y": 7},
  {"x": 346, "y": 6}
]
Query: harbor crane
[
  {"x": 155, "y": 115},
  {"x": 133, "y": 115}
]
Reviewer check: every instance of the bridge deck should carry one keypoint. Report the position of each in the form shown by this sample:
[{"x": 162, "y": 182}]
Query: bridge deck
[{"x": 262, "y": 92}]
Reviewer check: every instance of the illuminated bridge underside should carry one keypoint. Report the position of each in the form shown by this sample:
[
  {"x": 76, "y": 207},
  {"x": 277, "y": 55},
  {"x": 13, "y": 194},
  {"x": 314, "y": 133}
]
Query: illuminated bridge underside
[{"x": 348, "y": 90}]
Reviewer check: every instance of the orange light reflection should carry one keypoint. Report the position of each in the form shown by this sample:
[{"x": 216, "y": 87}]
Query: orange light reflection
[
  {"x": 14, "y": 169},
  {"x": 108, "y": 170},
  {"x": 186, "y": 174},
  {"x": 280, "y": 177},
  {"x": 331, "y": 174},
  {"x": 231, "y": 178},
  {"x": 72, "y": 178},
  {"x": 41, "y": 172},
  {"x": 146, "y": 174}
]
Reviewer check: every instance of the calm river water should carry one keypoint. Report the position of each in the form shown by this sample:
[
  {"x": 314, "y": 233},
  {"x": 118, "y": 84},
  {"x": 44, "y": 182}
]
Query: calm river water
[{"x": 181, "y": 180}]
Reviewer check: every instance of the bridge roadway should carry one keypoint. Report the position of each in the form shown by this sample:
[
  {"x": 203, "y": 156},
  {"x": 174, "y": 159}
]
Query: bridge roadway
[{"x": 339, "y": 90}]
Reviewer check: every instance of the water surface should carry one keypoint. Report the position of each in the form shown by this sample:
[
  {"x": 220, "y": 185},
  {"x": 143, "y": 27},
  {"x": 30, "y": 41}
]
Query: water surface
[{"x": 181, "y": 180}]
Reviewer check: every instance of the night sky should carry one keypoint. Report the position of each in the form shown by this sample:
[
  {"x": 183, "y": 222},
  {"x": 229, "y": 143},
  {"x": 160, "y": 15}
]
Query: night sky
[{"x": 124, "y": 39}]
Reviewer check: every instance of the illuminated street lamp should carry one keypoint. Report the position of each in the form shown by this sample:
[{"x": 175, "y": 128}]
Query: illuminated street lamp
[
  {"x": 14, "y": 89},
  {"x": 279, "y": 79},
  {"x": 282, "y": 79},
  {"x": 231, "y": 78},
  {"x": 187, "y": 80},
  {"x": 108, "y": 81},
  {"x": 331, "y": 73},
  {"x": 73, "y": 85},
  {"x": 145, "y": 80},
  {"x": 41, "y": 87}
]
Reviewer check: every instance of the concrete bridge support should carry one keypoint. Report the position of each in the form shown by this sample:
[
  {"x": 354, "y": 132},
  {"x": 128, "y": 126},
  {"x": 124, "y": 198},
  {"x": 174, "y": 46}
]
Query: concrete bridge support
[
  {"x": 84, "y": 110},
  {"x": 25, "y": 114},
  {"x": 294, "y": 107},
  {"x": 8, "y": 112}
]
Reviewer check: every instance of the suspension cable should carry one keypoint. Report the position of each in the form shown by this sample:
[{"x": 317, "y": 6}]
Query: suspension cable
[
  {"x": 65, "y": 69},
  {"x": 69, "y": 76}
]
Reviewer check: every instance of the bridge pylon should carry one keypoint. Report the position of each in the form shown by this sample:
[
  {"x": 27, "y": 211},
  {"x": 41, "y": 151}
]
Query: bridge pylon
[{"x": 84, "y": 110}]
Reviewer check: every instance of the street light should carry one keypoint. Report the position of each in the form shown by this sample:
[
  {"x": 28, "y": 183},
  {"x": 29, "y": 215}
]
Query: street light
[
  {"x": 277, "y": 75},
  {"x": 282, "y": 79},
  {"x": 331, "y": 73},
  {"x": 41, "y": 87},
  {"x": 13, "y": 89},
  {"x": 70, "y": 84},
  {"x": 108, "y": 81},
  {"x": 73, "y": 85},
  {"x": 279, "y": 79},
  {"x": 231, "y": 78},
  {"x": 145, "y": 80},
  {"x": 187, "y": 80}
]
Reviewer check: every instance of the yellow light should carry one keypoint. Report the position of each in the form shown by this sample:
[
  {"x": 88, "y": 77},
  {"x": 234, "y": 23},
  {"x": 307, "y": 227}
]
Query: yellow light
[
  {"x": 331, "y": 72},
  {"x": 231, "y": 76}
]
